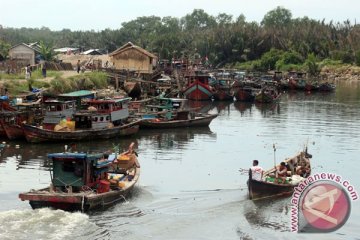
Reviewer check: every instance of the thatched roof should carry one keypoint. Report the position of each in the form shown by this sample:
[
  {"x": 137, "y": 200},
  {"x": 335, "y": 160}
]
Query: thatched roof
[{"x": 128, "y": 46}]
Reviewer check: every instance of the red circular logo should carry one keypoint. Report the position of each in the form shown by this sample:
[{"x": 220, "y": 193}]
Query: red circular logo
[{"x": 325, "y": 206}]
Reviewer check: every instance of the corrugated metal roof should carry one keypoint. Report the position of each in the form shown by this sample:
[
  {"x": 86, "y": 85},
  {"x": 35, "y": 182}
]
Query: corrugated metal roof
[{"x": 81, "y": 93}]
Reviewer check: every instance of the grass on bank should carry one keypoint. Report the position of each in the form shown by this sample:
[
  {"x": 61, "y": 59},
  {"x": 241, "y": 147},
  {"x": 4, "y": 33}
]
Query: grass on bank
[
  {"x": 16, "y": 83},
  {"x": 35, "y": 75},
  {"x": 86, "y": 81}
]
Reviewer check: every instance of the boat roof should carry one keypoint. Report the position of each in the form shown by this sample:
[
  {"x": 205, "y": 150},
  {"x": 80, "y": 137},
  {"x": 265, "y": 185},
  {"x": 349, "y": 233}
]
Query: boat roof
[
  {"x": 70, "y": 155},
  {"x": 173, "y": 99},
  {"x": 55, "y": 101},
  {"x": 113, "y": 100},
  {"x": 81, "y": 93}
]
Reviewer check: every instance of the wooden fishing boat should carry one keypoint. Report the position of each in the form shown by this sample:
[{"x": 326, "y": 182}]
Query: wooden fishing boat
[
  {"x": 86, "y": 181},
  {"x": 5, "y": 108},
  {"x": 269, "y": 186},
  {"x": 11, "y": 121},
  {"x": 326, "y": 87},
  {"x": 103, "y": 119},
  {"x": 183, "y": 119},
  {"x": 161, "y": 107},
  {"x": 198, "y": 88},
  {"x": 267, "y": 94},
  {"x": 223, "y": 90},
  {"x": 244, "y": 93}
]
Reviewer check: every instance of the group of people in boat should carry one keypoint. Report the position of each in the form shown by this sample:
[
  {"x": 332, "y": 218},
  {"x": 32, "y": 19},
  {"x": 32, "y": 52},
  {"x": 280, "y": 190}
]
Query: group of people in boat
[{"x": 295, "y": 166}]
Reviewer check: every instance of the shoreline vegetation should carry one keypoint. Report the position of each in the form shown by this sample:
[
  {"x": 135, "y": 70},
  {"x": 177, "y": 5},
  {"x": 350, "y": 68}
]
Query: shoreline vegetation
[
  {"x": 325, "y": 50},
  {"x": 56, "y": 82}
]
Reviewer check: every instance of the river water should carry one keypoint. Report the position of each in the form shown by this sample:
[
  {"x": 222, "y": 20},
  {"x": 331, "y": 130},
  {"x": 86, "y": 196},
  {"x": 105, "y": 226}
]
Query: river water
[{"x": 190, "y": 186}]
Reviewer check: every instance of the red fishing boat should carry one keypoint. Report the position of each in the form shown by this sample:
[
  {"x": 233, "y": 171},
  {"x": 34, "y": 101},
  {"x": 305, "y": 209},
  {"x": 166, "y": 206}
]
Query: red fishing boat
[
  {"x": 198, "y": 87},
  {"x": 4, "y": 109}
]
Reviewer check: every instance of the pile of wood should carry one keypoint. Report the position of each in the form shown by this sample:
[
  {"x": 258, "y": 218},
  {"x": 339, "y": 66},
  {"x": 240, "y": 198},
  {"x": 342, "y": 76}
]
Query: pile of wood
[{"x": 58, "y": 66}]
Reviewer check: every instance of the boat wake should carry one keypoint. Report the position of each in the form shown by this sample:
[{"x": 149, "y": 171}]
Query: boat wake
[{"x": 41, "y": 224}]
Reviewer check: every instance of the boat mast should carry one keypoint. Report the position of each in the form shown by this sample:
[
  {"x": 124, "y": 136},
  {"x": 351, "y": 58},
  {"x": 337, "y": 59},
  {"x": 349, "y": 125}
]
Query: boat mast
[{"x": 274, "y": 155}]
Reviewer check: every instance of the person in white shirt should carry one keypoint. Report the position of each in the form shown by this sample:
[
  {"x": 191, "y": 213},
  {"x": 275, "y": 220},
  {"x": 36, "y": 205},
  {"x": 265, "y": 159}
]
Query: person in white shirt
[{"x": 256, "y": 172}]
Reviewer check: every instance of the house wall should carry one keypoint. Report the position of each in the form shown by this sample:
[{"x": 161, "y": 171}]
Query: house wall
[
  {"x": 132, "y": 59},
  {"x": 24, "y": 53}
]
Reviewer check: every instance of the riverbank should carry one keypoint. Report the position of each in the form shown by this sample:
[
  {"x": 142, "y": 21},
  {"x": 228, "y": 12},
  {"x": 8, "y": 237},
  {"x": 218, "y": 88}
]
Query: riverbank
[{"x": 340, "y": 73}]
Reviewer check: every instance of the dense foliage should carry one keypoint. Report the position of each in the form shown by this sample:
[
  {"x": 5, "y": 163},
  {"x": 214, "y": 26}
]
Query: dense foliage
[{"x": 278, "y": 41}]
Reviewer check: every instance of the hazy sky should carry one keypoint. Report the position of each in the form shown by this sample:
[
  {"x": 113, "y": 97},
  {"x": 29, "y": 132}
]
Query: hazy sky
[{"x": 101, "y": 14}]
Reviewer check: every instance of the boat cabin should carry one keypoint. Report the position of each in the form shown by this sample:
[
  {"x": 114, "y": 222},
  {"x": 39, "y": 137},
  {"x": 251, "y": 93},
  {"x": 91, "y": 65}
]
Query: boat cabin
[
  {"x": 168, "y": 107},
  {"x": 199, "y": 76},
  {"x": 73, "y": 172},
  {"x": 78, "y": 96},
  {"x": 55, "y": 111},
  {"x": 102, "y": 114}
]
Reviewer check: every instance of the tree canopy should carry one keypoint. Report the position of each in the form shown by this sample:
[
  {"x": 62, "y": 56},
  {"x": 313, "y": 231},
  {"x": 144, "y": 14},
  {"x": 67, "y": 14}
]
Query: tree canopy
[{"x": 222, "y": 39}]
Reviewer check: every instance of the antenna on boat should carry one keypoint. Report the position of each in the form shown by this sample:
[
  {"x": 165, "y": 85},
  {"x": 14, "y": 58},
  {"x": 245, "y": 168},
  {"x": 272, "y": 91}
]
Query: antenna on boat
[
  {"x": 274, "y": 154},
  {"x": 116, "y": 149}
]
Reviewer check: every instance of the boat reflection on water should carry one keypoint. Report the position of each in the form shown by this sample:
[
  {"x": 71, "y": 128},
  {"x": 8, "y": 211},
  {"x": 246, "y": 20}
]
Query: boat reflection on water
[
  {"x": 175, "y": 138},
  {"x": 243, "y": 107},
  {"x": 267, "y": 109},
  {"x": 222, "y": 106},
  {"x": 33, "y": 156},
  {"x": 201, "y": 106},
  {"x": 209, "y": 106}
]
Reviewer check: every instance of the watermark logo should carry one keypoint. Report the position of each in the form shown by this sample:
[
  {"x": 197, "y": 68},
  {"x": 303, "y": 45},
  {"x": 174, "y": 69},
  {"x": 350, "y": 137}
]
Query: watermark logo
[{"x": 321, "y": 203}]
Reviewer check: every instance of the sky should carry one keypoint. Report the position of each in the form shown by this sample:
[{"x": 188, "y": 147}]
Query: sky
[{"x": 98, "y": 15}]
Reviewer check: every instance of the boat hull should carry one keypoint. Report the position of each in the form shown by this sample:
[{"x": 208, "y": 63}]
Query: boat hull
[
  {"x": 35, "y": 134},
  {"x": 244, "y": 95},
  {"x": 263, "y": 97},
  {"x": 260, "y": 189},
  {"x": 196, "y": 122},
  {"x": 198, "y": 91},
  {"x": 223, "y": 95},
  {"x": 83, "y": 201},
  {"x": 13, "y": 131}
]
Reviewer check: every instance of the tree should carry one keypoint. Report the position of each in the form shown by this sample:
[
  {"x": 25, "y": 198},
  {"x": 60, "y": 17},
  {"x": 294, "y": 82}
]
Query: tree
[
  {"x": 4, "y": 49},
  {"x": 46, "y": 51},
  {"x": 313, "y": 67}
]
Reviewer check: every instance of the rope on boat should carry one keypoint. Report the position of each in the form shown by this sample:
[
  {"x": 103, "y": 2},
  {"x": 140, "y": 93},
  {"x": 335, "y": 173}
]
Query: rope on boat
[
  {"x": 66, "y": 184},
  {"x": 116, "y": 200},
  {"x": 82, "y": 203}
]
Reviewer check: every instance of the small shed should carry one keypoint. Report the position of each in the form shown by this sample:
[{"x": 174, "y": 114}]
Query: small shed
[
  {"x": 25, "y": 52},
  {"x": 133, "y": 58}
]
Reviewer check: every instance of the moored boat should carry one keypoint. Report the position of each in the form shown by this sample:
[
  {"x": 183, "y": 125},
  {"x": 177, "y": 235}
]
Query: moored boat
[
  {"x": 5, "y": 108},
  {"x": 11, "y": 121},
  {"x": 86, "y": 181},
  {"x": 326, "y": 87},
  {"x": 269, "y": 185},
  {"x": 183, "y": 119},
  {"x": 244, "y": 93},
  {"x": 103, "y": 119},
  {"x": 198, "y": 88},
  {"x": 267, "y": 94}
]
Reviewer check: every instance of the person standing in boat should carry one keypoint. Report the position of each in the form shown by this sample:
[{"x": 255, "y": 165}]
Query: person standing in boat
[{"x": 256, "y": 172}]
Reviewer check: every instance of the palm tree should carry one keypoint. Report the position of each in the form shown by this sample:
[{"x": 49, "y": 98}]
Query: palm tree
[{"x": 47, "y": 52}]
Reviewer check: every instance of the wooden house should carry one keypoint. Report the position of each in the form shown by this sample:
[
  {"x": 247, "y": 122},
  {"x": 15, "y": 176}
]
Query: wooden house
[
  {"x": 133, "y": 58},
  {"x": 26, "y": 53}
]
